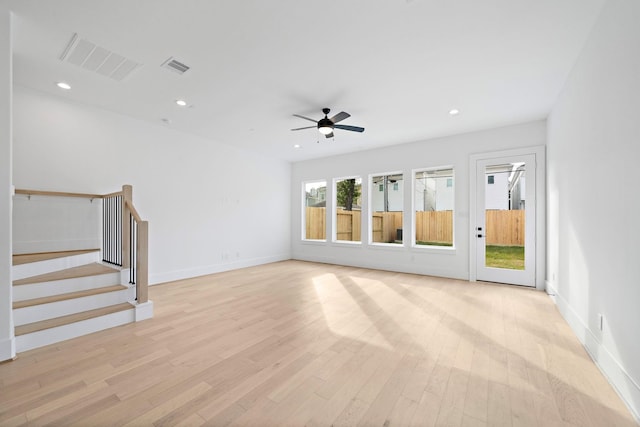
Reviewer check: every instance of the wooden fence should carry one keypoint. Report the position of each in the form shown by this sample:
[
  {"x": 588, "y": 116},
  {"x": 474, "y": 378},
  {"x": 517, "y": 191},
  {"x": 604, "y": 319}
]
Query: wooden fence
[
  {"x": 385, "y": 226},
  {"x": 505, "y": 228},
  {"x": 348, "y": 223},
  {"x": 502, "y": 227},
  {"x": 434, "y": 227},
  {"x": 316, "y": 223}
]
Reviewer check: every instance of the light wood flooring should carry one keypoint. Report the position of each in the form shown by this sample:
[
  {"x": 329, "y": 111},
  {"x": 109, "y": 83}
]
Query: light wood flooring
[{"x": 296, "y": 343}]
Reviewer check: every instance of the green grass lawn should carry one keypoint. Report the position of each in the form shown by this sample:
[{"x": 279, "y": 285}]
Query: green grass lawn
[
  {"x": 419, "y": 242},
  {"x": 511, "y": 257}
]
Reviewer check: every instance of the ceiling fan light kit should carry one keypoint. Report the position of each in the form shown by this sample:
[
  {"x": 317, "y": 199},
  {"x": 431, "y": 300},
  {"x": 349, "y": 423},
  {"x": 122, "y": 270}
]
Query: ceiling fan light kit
[{"x": 327, "y": 125}]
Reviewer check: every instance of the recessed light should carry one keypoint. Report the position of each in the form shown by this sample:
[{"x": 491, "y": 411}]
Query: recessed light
[
  {"x": 181, "y": 102},
  {"x": 454, "y": 112},
  {"x": 63, "y": 85},
  {"x": 296, "y": 146}
]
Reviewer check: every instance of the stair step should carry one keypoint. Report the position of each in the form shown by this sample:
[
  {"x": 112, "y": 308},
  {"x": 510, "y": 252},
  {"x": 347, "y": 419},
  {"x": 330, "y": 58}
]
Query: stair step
[
  {"x": 20, "y": 259},
  {"x": 93, "y": 269},
  {"x": 37, "y": 266},
  {"x": 71, "y": 318},
  {"x": 67, "y": 296}
]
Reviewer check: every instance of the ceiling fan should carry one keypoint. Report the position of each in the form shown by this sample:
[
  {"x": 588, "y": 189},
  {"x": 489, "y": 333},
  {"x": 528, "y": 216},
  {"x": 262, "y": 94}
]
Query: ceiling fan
[{"x": 327, "y": 125}]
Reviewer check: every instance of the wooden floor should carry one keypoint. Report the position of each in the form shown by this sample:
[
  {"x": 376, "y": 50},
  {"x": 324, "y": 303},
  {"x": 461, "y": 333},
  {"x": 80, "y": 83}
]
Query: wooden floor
[{"x": 297, "y": 343}]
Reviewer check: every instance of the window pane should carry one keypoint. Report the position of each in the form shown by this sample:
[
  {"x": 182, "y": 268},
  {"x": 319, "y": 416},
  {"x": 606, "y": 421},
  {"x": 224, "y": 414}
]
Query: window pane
[
  {"x": 504, "y": 216},
  {"x": 433, "y": 202},
  {"x": 348, "y": 208},
  {"x": 386, "y": 209},
  {"x": 315, "y": 203}
]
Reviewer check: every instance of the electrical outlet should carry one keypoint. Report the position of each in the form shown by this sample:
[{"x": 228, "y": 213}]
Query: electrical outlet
[{"x": 600, "y": 321}]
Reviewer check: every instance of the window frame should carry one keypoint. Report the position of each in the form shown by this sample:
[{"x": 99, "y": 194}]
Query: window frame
[
  {"x": 433, "y": 248},
  {"x": 303, "y": 213}
]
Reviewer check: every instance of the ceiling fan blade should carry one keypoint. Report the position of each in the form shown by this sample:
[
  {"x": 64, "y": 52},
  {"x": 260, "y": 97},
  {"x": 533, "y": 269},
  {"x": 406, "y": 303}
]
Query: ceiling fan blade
[
  {"x": 340, "y": 117},
  {"x": 306, "y": 118},
  {"x": 329, "y": 135},
  {"x": 351, "y": 128},
  {"x": 306, "y": 127}
]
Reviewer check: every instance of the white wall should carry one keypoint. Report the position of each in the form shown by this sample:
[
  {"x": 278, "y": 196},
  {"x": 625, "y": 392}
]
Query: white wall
[
  {"x": 448, "y": 151},
  {"x": 593, "y": 256},
  {"x": 7, "y": 342},
  {"x": 50, "y": 224},
  {"x": 211, "y": 207}
]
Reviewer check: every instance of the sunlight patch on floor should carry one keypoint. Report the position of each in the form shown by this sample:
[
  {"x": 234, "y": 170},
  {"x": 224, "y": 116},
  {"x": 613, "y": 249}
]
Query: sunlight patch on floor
[{"x": 342, "y": 313}]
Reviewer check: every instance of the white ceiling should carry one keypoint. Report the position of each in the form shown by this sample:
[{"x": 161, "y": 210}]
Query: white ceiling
[{"x": 397, "y": 66}]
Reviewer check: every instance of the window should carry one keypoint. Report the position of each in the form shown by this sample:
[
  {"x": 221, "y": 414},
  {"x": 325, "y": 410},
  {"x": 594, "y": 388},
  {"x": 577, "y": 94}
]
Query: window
[
  {"x": 314, "y": 210},
  {"x": 490, "y": 179},
  {"x": 348, "y": 192},
  {"x": 386, "y": 209},
  {"x": 433, "y": 197}
]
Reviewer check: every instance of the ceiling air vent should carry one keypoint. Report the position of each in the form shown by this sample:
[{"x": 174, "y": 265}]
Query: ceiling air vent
[
  {"x": 88, "y": 55},
  {"x": 176, "y": 66}
]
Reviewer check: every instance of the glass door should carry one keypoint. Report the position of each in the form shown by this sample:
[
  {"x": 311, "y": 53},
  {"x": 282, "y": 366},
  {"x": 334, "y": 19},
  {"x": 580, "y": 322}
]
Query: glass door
[{"x": 505, "y": 223}]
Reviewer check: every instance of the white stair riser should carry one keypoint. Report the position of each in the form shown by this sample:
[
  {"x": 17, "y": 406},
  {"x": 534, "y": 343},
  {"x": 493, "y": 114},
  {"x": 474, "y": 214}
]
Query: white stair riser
[
  {"x": 49, "y": 266},
  {"x": 73, "y": 330},
  {"x": 55, "y": 287},
  {"x": 36, "y": 313}
]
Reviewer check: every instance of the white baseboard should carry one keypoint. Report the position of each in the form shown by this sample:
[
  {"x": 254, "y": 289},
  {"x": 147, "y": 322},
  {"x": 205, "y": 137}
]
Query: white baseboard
[
  {"x": 626, "y": 387},
  {"x": 398, "y": 268},
  {"x": 212, "y": 269},
  {"x": 551, "y": 290},
  {"x": 143, "y": 311},
  {"x": 7, "y": 349}
]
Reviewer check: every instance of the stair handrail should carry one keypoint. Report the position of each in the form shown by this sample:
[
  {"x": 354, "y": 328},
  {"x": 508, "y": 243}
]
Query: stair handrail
[
  {"x": 133, "y": 240},
  {"x": 138, "y": 253},
  {"x": 58, "y": 194}
]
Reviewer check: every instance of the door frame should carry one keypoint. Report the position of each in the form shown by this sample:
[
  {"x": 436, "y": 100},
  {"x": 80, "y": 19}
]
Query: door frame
[{"x": 539, "y": 153}]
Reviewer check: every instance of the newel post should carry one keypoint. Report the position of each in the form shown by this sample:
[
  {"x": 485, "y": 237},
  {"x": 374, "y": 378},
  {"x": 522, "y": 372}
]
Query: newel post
[
  {"x": 127, "y": 197},
  {"x": 142, "y": 261}
]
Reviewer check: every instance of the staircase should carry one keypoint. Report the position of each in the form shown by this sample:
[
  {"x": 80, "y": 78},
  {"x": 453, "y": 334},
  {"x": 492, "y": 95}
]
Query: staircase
[{"x": 63, "y": 295}]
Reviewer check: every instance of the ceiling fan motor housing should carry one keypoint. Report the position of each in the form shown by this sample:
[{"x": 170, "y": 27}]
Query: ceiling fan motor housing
[{"x": 325, "y": 123}]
